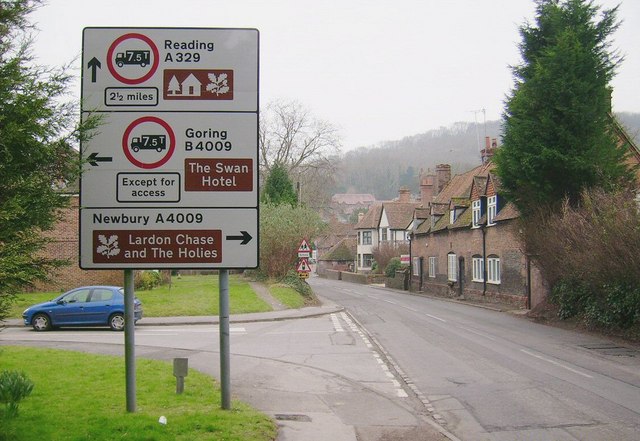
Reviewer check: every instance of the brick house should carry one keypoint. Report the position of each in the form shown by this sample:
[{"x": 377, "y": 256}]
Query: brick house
[
  {"x": 386, "y": 223},
  {"x": 464, "y": 243},
  {"x": 64, "y": 245}
]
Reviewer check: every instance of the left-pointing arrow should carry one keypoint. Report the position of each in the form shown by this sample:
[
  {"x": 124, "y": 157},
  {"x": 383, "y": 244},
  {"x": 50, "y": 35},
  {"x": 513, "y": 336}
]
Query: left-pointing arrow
[
  {"x": 94, "y": 64},
  {"x": 93, "y": 159},
  {"x": 244, "y": 237}
]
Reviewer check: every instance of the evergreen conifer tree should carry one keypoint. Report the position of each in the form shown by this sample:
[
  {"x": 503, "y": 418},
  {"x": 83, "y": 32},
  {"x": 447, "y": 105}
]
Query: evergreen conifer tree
[{"x": 558, "y": 134}]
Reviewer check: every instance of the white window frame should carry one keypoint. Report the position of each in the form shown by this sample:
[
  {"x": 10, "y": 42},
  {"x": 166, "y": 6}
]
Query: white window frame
[
  {"x": 493, "y": 270},
  {"x": 492, "y": 209},
  {"x": 477, "y": 273},
  {"x": 476, "y": 209},
  {"x": 432, "y": 267},
  {"x": 452, "y": 216},
  {"x": 452, "y": 267}
]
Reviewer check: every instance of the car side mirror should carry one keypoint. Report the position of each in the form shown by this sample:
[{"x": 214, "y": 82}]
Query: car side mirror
[{"x": 60, "y": 302}]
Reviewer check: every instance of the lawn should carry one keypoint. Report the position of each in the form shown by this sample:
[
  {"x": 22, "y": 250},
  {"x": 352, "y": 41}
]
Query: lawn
[
  {"x": 287, "y": 296},
  {"x": 81, "y": 396},
  {"x": 198, "y": 295},
  {"x": 186, "y": 296}
]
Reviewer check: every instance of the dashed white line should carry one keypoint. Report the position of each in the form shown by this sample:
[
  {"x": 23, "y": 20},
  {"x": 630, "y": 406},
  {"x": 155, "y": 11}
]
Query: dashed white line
[
  {"x": 555, "y": 363},
  {"x": 436, "y": 318}
]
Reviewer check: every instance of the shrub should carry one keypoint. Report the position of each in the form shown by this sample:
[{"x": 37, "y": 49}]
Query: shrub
[
  {"x": 146, "y": 280},
  {"x": 14, "y": 387},
  {"x": 393, "y": 266},
  {"x": 294, "y": 281}
]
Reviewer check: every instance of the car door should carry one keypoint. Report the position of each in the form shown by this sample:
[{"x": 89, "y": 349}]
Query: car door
[
  {"x": 100, "y": 305},
  {"x": 70, "y": 309}
]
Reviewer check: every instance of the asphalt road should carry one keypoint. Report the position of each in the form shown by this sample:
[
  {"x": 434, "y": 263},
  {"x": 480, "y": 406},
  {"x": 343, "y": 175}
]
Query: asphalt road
[{"x": 493, "y": 376}]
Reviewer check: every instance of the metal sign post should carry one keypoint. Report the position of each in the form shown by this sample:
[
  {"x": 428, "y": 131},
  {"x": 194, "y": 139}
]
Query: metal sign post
[
  {"x": 225, "y": 359},
  {"x": 129, "y": 341}
]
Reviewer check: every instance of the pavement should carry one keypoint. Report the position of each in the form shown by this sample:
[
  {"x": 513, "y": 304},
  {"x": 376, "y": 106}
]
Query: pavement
[{"x": 314, "y": 404}]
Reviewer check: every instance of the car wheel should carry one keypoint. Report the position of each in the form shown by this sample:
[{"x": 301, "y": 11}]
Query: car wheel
[
  {"x": 41, "y": 322},
  {"x": 116, "y": 322}
]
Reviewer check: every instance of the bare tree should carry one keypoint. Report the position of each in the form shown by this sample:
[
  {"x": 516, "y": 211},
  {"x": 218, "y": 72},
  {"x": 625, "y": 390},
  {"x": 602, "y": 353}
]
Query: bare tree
[
  {"x": 307, "y": 146},
  {"x": 290, "y": 135}
]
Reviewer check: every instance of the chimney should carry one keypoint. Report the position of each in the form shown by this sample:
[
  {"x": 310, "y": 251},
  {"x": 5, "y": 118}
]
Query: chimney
[
  {"x": 490, "y": 148},
  {"x": 443, "y": 176},
  {"x": 404, "y": 194},
  {"x": 426, "y": 189}
]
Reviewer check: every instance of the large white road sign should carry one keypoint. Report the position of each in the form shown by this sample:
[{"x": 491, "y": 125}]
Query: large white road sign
[{"x": 171, "y": 175}]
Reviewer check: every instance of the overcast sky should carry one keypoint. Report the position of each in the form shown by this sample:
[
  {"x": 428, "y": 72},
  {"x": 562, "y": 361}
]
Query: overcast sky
[{"x": 379, "y": 70}]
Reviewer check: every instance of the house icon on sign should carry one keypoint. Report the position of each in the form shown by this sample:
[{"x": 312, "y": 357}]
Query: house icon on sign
[{"x": 191, "y": 86}]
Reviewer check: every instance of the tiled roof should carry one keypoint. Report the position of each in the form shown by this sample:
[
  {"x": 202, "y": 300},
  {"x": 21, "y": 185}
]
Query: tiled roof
[
  {"x": 344, "y": 250},
  {"x": 353, "y": 199},
  {"x": 371, "y": 218},
  {"x": 399, "y": 214},
  {"x": 422, "y": 213},
  {"x": 509, "y": 211}
]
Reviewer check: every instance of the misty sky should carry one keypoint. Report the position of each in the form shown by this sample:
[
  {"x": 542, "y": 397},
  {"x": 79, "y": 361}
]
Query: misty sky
[{"x": 379, "y": 70}]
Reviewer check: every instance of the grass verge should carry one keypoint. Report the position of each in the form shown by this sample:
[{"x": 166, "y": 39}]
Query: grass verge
[
  {"x": 186, "y": 296},
  {"x": 81, "y": 396},
  {"x": 288, "y": 296}
]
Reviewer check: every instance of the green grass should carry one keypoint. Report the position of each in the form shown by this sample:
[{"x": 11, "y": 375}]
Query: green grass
[
  {"x": 198, "y": 295},
  {"x": 187, "y": 296},
  {"x": 80, "y": 396},
  {"x": 287, "y": 296}
]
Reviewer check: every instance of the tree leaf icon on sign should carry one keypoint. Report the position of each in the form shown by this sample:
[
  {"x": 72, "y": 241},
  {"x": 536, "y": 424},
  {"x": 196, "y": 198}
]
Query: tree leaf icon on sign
[
  {"x": 109, "y": 247},
  {"x": 218, "y": 85}
]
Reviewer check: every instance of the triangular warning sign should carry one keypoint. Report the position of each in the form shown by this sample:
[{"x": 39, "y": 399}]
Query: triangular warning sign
[
  {"x": 304, "y": 246},
  {"x": 303, "y": 266}
]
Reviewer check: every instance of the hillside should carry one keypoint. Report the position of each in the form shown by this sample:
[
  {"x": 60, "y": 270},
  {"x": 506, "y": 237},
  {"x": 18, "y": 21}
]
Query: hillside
[{"x": 382, "y": 169}]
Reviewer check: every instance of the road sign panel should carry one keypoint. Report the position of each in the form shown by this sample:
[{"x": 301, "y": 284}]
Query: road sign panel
[
  {"x": 174, "y": 69},
  {"x": 168, "y": 238},
  {"x": 303, "y": 266},
  {"x": 214, "y": 154}
]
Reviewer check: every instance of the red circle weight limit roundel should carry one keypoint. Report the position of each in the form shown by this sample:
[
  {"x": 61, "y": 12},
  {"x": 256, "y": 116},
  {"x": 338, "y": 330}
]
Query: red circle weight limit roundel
[
  {"x": 170, "y": 149},
  {"x": 145, "y": 77}
]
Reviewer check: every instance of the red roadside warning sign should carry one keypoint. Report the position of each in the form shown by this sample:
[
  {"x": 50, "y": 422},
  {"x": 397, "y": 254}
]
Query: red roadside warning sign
[{"x": 303, "y": 266}]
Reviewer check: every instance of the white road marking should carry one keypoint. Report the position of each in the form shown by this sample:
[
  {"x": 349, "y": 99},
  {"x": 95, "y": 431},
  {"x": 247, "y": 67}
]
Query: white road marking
[
  {"x": 555, "y": 363},
  {"x": 336, "y": 323},
  {"x": 473, "y": 331},
  {"x": 436, "y": 318}
]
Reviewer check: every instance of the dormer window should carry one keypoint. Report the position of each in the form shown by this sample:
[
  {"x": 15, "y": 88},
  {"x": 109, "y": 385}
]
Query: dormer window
[
  {"x": 492, "y": 209},
  {"x": 476, "y": 210},
  {"x": 452, "y": 216}
]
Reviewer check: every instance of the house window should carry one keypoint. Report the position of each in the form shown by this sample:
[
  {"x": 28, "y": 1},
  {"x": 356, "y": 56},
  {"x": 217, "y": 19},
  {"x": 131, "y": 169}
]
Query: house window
[
  {"x": 417, "y": 266},
  {"x": 366, "y": 238},
  {"x": 452, "y": 216},
  {"x": 359, "y": 237},
  {"x": 367, "y": 260},
  {"x": 493, "y": 269},
  {"x": 476, "y": 209},
  {"x": 432, "y": 267},
  {"x": 452, "y": 267},
  {"x": 384, "y": 234},
  {"x": 492, "y": 209},
  {"x": 477, "y": 273}
]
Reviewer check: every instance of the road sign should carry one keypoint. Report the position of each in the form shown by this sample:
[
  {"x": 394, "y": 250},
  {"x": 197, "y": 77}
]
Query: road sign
[
  {"x": 303, "y": 266},
  {"x": 171, "y": 176}
]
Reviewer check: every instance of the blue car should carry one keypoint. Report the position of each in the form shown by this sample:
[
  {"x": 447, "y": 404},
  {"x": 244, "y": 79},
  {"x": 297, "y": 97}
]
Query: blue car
[{"x": 84, "y": 306}]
